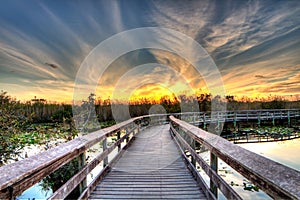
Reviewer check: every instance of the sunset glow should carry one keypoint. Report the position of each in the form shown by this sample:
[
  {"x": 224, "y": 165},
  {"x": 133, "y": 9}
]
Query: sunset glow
[
  {"x": 151, "y": 92},
  {"x": 255, "y": 47}
]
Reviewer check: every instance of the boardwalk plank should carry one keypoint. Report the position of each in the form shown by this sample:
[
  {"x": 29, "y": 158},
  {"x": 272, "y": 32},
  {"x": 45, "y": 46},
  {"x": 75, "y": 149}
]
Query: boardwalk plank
[{"x": 151, "y": 168}]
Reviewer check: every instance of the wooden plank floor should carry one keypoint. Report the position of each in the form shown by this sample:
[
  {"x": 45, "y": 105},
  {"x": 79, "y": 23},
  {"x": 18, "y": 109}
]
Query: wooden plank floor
[{"x": 151, "y": 168}]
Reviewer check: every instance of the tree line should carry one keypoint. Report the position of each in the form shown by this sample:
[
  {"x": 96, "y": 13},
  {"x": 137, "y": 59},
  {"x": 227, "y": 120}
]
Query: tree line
[{"x": 43, "y": 112}]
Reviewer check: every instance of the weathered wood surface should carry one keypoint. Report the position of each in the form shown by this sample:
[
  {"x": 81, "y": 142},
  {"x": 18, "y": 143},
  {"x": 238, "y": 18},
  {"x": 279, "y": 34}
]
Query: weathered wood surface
[
  {"x": 70, "y": 185},
  {"x": 238, "y": 115},
  {"x": 151, "y": 168},
  {"x": 17, "y": 177},
  {"x": 277, "y": 180},
  {"x": 217, "y": 180}
]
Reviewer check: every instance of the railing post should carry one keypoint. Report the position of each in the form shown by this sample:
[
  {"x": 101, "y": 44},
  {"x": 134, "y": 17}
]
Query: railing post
[
  {"x": 104, "y": 144},
  {"x": 234, "y": 121},
  {"x": 126, "y": 132},
  {"x": 289, "y": 119},
  {"x": 81, "y": 164},
  {"x": 194, "y": 148},
  {"x": 194, "y": 119},
  {"x": 204, "y": 122},
  {"x": 118, "y": 138},
  {"x": 138, "y": 127},
  {"x": 214, "y": 166}
]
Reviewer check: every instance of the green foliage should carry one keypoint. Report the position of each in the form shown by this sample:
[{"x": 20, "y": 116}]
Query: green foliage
[
  {"x": 12, "y": 123},
  {"x": 61, "y": 176},
  {"x": 275, "y": 104},
  {"x": 246, "y": 186},
  {"x": 269, "y": 130},
  {"x": 18, "y": 130},
  {"x": 64, "y": 113},
  {"x": 249, "y": 186},
  {"x": 233, "y": 184},
  {"x": 107, "y": 124},
  {"x": 44, "y": 133}
]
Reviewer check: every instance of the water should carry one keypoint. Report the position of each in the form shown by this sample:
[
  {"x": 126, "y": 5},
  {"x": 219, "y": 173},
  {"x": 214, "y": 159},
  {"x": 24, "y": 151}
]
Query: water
[
  {"x": 284, "y": 152},
  {"x": 231, "y": 176},
  {"x": 36, "y": 192}
]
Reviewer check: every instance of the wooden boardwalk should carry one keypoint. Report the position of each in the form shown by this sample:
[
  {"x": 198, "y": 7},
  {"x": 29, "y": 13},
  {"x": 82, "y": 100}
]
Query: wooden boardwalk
[
  {"x": 151, "y": 168},
  {"x": 152, "y": 162}
]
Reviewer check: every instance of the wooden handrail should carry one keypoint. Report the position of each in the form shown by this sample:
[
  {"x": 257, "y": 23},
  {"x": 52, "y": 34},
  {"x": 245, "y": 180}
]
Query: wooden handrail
[
  {"x": 228, "y": 191},
  {"x": 69, "y": 186},
  {"x": 240, "y": 115},
  {"x": 275, "y": 179},
  {"x": 19, "y": 176}
]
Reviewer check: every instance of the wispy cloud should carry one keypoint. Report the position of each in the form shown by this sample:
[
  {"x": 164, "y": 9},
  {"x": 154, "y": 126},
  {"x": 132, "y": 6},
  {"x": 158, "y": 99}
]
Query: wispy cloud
[{"x": 255, "y": 44}]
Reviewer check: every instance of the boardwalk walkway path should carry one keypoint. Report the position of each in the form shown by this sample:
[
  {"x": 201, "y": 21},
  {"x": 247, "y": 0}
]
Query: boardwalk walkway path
[
  {"x": 148, "y": 164},
  {"x": 151, "y": 168}
]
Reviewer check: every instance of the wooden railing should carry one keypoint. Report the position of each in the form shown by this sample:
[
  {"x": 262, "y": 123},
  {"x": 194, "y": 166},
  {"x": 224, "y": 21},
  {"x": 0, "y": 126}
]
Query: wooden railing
[
  {"x": 277, "y": 180},
  {"x": 238, "y": 115},
  {"x": 19, "y": 176}
]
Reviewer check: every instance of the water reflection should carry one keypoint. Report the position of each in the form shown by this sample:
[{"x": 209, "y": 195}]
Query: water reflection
[
  {"x": 36, "y": 192},
  {"x": 242, "y": 186},
  {"x": 284, "y": 152}
]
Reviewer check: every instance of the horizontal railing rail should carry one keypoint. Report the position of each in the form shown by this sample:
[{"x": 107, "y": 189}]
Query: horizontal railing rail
[
  {"x": 70, "y": 185},
  {"x": 238, "y": 115},
  {"x": 217, "y": 180},
  {"x": 19, "y": 176},
  {"x": 277, "y": 180}
]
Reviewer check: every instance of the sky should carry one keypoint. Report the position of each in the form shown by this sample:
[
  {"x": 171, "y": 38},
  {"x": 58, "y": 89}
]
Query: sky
[{"x": 255, "y": 45}]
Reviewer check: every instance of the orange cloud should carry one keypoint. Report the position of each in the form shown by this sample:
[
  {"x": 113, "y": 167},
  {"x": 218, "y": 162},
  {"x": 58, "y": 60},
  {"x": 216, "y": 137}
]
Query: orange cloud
[{"x": 151, "y": 91}]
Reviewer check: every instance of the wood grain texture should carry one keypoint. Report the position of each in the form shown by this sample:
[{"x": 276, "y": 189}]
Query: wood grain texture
[
  {"x": 151, "y": 168},
  {"x": 224, "y": 187},
  {"x": 277, "y": 180},
  {"x": 19, "y": 176}
]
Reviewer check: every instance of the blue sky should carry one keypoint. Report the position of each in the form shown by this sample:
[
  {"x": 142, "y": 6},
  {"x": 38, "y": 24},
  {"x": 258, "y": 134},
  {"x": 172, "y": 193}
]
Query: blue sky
[{"x": 255, "y": 44}]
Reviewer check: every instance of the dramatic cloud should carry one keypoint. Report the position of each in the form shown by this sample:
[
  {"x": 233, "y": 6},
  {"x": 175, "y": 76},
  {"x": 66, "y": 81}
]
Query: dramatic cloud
[{"x": 255, "y": 45}]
